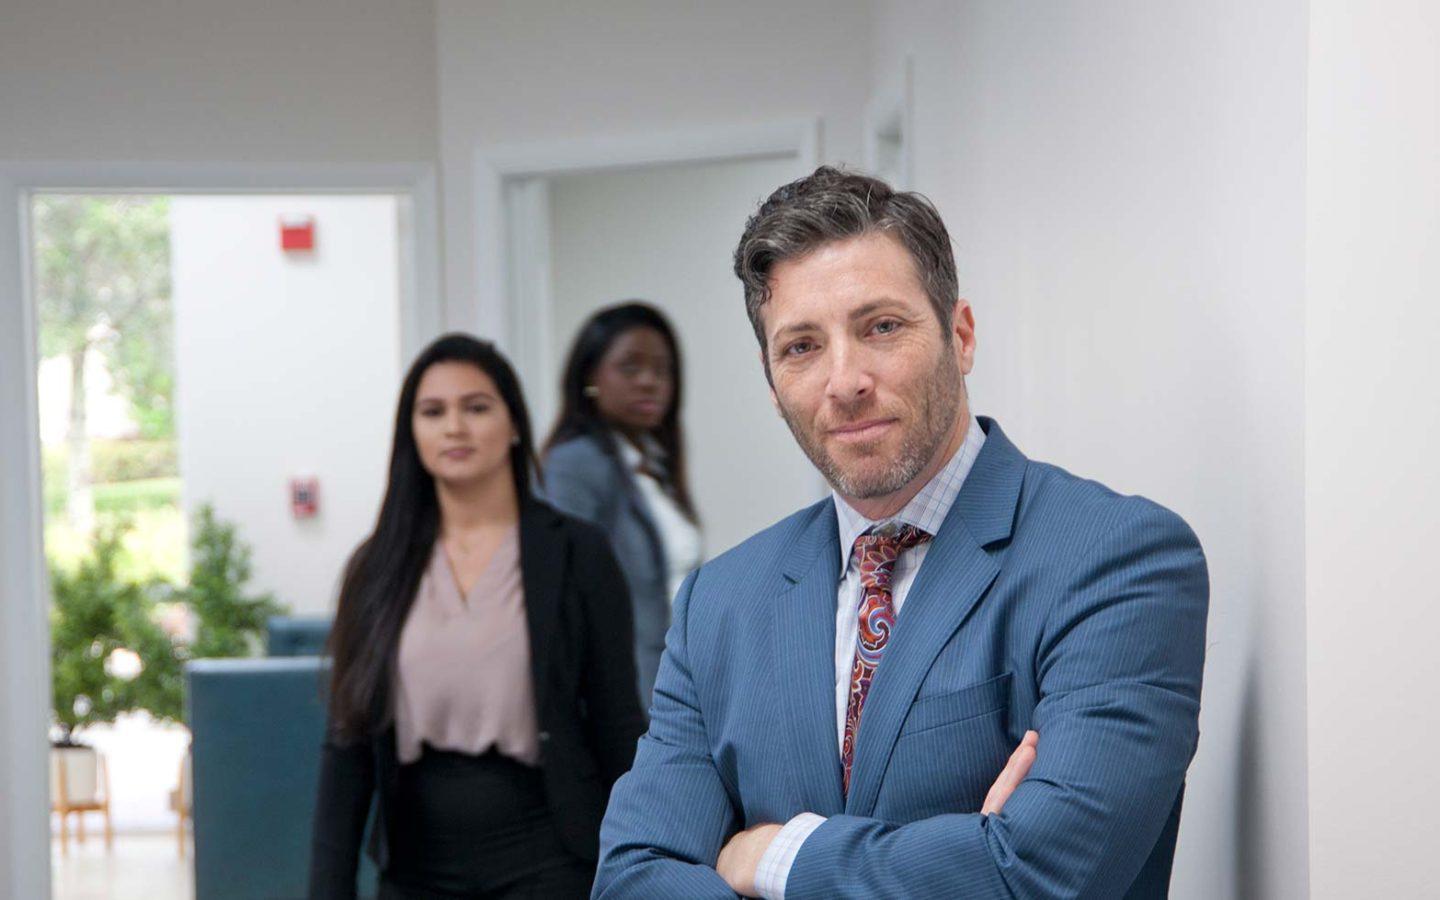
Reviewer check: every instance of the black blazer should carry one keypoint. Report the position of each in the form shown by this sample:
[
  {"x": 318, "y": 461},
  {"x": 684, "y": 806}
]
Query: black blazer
[{"x": 583, "y": 666}]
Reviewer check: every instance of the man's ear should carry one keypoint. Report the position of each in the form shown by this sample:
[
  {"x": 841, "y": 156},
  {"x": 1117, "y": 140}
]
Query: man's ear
[{"x": 963, "y": 333}]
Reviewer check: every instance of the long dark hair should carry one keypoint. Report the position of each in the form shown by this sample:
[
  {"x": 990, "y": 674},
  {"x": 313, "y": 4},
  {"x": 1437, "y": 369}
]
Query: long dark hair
[
  {"x": 384, "y": 572},
  {"x": 579, "y": 415}
]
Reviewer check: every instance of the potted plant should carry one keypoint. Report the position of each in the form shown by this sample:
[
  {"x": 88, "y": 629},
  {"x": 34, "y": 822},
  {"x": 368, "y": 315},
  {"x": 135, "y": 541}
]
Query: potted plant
[
  {"x": 97, "y": 622},
  {"x": 119, "y": 646}
]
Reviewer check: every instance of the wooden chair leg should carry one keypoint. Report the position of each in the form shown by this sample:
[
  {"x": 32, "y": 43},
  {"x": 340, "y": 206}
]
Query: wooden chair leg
[
  {"x": 80, "y": 827},
  {"x": 63, "y": 805},
  {"x": 105, "y": 786},
  {"x": 180, "y": 832}
]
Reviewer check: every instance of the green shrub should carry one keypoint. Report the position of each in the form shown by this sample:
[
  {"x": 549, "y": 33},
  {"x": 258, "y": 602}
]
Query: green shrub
[
  {"x": 116, "y": 460},
  {"x": 230, "y": 621}
]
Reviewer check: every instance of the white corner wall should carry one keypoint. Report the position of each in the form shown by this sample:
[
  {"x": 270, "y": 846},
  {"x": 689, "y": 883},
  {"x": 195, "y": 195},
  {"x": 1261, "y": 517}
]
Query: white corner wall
[
  {"x": 522, "y": 71},
  {"x": 287, "y": 365},
  {"x": 1371, "y": 449},
  {"x": 1124, "y": 183}
]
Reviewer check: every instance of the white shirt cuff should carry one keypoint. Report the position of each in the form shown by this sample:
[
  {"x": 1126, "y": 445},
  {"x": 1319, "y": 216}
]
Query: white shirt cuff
[{"x": 774, "y": 868}]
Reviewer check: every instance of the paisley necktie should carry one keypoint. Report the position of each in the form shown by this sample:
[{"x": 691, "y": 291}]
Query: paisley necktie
[{"x": 874, "y": 555}]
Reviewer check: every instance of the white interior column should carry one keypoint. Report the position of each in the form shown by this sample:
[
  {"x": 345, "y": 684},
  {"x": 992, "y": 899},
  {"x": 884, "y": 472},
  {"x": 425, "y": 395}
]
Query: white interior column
[
  {"x": 24, "y": 631},
  {"x": 1373, "y": 448}
]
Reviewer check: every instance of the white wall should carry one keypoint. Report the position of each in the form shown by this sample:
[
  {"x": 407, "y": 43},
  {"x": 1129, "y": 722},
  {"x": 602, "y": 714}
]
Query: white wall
[
  {"x": 271, "y": 80},
  {"x": 287, "y": 366},
  {"x": 665, "y": 234},
  {"x": 517, "y": 71},
  {"x": 1124, "y": 182},
  {"x": 1372, "y": 441}
]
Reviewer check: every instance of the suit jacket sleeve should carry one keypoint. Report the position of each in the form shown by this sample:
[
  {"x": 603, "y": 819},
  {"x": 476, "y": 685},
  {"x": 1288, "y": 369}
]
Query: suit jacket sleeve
[
  {"x": 347, "y": 786},
  {"x": 614, "y": 720},
  {"x": 579, "y": 481},
  {"x": 670, "y": 815},
  {"x": 1119, "y": 674}
]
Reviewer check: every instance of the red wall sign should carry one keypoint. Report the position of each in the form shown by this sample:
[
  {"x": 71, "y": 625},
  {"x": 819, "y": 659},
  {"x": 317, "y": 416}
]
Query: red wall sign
[
  {"x": 304, "y": 497},
  {"x": 297, "y": 234}
]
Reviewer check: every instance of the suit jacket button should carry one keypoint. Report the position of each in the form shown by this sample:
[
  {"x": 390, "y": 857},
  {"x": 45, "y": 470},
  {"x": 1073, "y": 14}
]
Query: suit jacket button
[{"x": 544, "y": 736}]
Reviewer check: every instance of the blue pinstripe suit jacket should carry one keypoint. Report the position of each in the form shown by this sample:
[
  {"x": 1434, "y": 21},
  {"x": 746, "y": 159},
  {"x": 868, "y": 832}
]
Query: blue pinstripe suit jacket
[{"x": 1045, "y": 602}]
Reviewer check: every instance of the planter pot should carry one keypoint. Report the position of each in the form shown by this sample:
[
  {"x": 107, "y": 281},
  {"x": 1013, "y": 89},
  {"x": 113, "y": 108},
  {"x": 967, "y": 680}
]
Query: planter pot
[{"x": 74, "y": 776}]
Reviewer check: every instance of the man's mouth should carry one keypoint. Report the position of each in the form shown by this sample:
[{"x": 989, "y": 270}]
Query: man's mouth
[{"x": 863, "y": 431}]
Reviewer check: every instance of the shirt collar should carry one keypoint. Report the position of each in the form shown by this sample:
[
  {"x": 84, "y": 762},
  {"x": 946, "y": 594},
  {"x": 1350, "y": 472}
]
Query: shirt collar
[
  {"x": 927, "y": 509},
  {"x": 632, "y": 456}
]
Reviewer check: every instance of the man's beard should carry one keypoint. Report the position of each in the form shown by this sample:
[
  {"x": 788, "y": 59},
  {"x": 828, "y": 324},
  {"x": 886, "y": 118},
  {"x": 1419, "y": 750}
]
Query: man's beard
[{"x": 939, "y": 408}]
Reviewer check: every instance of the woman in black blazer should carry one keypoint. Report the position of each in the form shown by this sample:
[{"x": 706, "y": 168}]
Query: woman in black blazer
[{"x": 482, "y": 691}]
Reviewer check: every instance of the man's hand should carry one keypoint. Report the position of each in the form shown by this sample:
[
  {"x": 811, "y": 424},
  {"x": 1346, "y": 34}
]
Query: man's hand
[
  {"x": 740, "y": 857},
  {"x": 1010, "y": 777}
]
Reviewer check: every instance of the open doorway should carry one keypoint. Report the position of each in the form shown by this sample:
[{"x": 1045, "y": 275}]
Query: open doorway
[
  {"x": 214, "y": 378},
  {"x": 663, "y": 233}
]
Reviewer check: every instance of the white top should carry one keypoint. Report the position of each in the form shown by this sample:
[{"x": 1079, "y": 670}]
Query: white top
[
  {"x": 684, "y": 548},
  {"x": 927, "y": 511}
]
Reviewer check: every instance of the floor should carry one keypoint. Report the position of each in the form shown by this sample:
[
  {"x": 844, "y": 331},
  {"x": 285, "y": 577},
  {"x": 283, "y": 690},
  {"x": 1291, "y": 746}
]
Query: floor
[{"x": 141, "y": 867}]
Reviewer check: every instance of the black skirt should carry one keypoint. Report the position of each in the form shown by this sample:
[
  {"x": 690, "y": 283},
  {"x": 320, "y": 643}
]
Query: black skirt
[{"x": 476, "y": 826}]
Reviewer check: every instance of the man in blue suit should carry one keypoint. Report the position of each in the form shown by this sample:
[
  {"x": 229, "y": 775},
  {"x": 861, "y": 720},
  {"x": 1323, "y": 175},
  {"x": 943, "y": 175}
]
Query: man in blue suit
[{"x": 840, "y": 692}]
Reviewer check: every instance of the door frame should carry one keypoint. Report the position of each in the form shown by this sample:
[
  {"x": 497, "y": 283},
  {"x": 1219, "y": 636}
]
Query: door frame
[
  {"x": 24, "y": 589},
  {"x": 513, "y": 228}
]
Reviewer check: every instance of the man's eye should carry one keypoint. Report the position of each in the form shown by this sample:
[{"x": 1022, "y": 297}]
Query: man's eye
[
  {"x": 887, "y": 327},
  {"x": 798, "y": 348}
]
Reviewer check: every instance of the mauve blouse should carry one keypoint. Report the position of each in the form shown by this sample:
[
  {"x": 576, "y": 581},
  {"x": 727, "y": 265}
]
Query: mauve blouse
[{"x": 463, "y": 680}]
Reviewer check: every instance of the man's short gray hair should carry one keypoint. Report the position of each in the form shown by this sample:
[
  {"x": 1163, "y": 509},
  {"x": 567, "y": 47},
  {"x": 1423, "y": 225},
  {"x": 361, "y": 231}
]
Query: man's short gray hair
[{"x": 832, "y": 205}]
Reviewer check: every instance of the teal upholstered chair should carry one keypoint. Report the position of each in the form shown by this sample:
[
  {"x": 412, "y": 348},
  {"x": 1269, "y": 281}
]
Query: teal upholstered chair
[{"x": 257, "y": 726}]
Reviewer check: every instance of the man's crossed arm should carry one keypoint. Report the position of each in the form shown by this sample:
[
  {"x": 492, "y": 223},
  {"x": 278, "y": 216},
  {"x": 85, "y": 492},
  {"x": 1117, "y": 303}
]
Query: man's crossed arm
[{"x": 740, "y": 858}]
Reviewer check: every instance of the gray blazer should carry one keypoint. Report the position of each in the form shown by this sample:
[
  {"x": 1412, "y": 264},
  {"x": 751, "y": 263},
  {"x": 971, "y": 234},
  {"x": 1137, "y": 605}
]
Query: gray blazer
[{"x": 582, "y": 479}]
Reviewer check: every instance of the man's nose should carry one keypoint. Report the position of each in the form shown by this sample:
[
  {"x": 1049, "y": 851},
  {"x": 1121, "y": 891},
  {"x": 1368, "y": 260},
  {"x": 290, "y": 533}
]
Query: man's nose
[{"x": 850, "y": 378}]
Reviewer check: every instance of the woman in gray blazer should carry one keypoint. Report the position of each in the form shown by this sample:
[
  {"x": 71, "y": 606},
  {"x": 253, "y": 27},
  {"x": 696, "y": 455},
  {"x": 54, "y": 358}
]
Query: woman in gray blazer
[{"x": 617, "y": 457}]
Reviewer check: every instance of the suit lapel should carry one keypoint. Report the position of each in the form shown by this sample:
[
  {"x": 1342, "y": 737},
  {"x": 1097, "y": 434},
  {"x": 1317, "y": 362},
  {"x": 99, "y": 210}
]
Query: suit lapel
[
  {"x": 954, "y": 577},
  {"x": 542, "y": 566},
  {"x": 804, "y": 637}
]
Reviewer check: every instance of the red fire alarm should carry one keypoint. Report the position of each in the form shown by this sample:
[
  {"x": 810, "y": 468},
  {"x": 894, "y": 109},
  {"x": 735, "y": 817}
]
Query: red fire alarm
[
  {"x": 297, "y": 234},
  {"x": 304, "y": 497}
]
